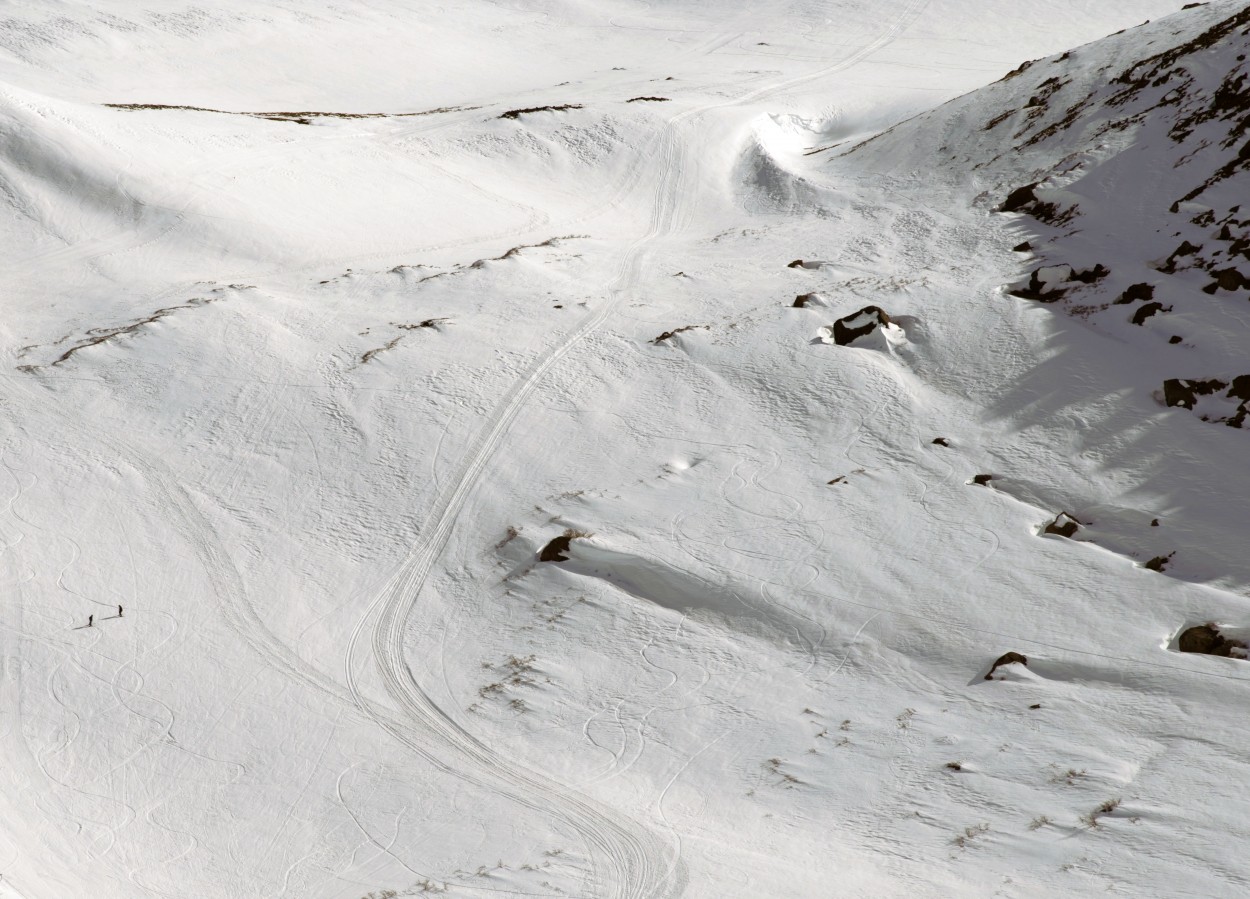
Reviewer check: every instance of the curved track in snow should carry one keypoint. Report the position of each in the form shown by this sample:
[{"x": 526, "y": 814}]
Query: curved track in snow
[{"x": 633, "y": 862}]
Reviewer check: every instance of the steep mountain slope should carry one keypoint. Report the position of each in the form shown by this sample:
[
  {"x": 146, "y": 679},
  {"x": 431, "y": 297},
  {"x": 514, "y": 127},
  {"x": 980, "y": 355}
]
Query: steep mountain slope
[
  {"x": 1124, "y": 166},
  {"x": 1139, "y": 159}
]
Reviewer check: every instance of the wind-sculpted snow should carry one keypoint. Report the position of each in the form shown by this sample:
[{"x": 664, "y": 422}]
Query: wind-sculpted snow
[{"x": 548, "y": 449}]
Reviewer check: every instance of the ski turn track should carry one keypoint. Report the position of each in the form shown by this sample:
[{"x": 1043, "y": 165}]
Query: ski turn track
[{"x": 631, "y": 861}]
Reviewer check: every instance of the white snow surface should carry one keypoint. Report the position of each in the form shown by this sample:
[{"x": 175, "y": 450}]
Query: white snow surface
[{"x": 308, "y": 392}]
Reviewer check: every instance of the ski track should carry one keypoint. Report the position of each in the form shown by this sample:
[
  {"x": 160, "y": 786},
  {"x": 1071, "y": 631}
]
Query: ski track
[
  {"x": 637, "y": 864},
  {"x": 634, "y": 869}
]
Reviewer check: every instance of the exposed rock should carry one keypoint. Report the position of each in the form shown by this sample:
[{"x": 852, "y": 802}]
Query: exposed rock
[
  {"x": 1134, "y": 292},
  {"x": 1064, "y": 525},
  {"x": 1203, "y": 638},
  {"x": 982, "y": 479},
  {"x": 1007, "y": 658},
  {"x": 798, "y": 263},
  {"x": 517, "y": 113},
  {"x": 668, "y": 335},
  {"x": 1185, "y": 393},
  {"x": 1179, "y": 392},
  {"x": 851, "y": 327},
  {"x": 1042, "y": 284},
  {"x": 1024, "y": 199},
  {"x": 1227, "y": 279},
  {"x": 1090, "y": 275},
  {"x": 1185, "y": 249},
  {"x": 941, "y": 441},
  {"x": 1175, "y": 338},
  {"x": 803, "y": 299},
  {"x": 557, "y": 549},
  {"x": 1144, "y": 312},
  {"x": 1158, "y": 563},
  {"x": 1240, "y": 389},
  {"x": 1022, "y": 247},
  {"x": 1207, "y": 640},
  {"x": 1019, "y": 198}
]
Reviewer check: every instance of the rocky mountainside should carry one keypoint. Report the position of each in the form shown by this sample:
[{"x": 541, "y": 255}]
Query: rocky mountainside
[{"x": 1125, "y": 167}]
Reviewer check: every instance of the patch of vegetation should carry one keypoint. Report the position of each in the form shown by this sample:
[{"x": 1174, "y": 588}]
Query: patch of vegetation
[
  {"x": 964, "y": 840},
  {"x": 1091, "y": 819}
]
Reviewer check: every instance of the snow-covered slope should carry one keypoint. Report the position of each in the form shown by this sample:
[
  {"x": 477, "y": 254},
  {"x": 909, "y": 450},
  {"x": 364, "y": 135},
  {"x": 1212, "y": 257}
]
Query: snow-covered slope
[
  {"x": 1138, "y": 158},
  {"x": 1123, "y": 167},
  {"x": 489, "y": 517}
]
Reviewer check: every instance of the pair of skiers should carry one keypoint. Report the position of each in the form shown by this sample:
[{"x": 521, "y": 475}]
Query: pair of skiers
[{"x": 91, "y": 618}]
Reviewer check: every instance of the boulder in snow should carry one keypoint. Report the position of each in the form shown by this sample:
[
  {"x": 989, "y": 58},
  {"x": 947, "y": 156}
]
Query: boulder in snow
[
  {"x": 858, "y": 324},
  {"x": 1064, "y": 525},
  {"x": 1206, "y": 639},
  {"x": 1144, "y": 312},
  {"x": 1007, "y": 658},
  {"x": 1227, "y": 279},
  {"x": 1134, "y": 292},
  {"x": 558, "y": 548}
]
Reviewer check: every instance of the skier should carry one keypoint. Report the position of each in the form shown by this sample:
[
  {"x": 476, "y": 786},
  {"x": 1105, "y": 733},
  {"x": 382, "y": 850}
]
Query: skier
[
  {"x": 90, "y": 619},
  {"x": 119, "y": 611}
]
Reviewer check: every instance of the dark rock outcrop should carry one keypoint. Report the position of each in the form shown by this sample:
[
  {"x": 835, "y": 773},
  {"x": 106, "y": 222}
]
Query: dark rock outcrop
[
  {"x": 557, "y": 549},
  {"x": 1007, "y": 658},
  {"x": 1149, "y": 309},
  {"x": 1227, "y": 279},
  {"x": 1064, "y": 525},
  {"x": 1203, "y": 639},
  {"x": 1090, "y": 275},
  {"x": 1044, "y": 281},
  {"x": 858, "y": 324},
  {"x": 1039, "y": 290},
  {"x": 1159, "y": 563},
  {"x": 1025, "y": 199},
  {"x": 1183, "y": 393},
  {"x": 1207, "y": 640},
  {"x": 669, "y": 335},
  {"x": 1135, "y": 292},
  {"x": 517, "y": 113},
  {"x": 1019, "y": 198},
  {"x": 941, "y": 441},
  {"x": 803, "y": 299},
  {"x": 982, "y": 480},
  {"x": 1185, "y": 249}
]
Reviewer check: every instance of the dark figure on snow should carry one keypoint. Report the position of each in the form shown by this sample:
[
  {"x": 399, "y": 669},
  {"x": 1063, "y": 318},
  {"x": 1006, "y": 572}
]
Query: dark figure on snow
[
  {"x": 90, "y": 620},
  {"x": 119, "y": 611}
]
